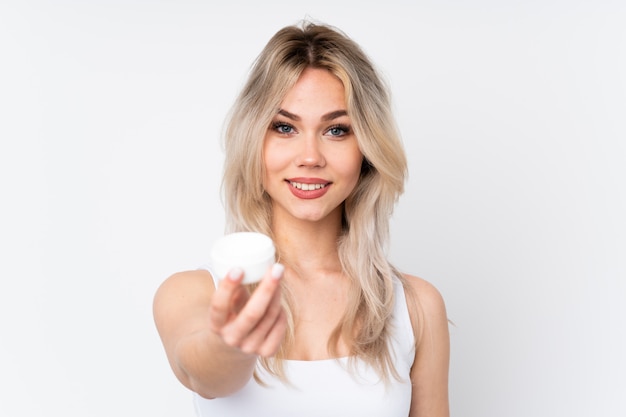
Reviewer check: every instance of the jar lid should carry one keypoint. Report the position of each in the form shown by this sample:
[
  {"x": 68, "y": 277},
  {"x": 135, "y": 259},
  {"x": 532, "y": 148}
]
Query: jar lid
[{"x": 251, "y": 251}]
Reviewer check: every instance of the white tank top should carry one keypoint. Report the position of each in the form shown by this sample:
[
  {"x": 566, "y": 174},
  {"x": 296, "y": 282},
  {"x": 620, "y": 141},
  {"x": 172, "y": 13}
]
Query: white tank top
[{"x": 325, "y": 388}]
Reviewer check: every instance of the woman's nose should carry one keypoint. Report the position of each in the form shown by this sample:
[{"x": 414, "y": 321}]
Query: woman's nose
[{"x": 310, "y": 153}]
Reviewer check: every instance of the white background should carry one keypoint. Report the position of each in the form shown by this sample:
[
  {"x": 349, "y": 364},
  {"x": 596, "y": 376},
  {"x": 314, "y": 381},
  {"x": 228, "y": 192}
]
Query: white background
[{"x": 514, "y": 118}]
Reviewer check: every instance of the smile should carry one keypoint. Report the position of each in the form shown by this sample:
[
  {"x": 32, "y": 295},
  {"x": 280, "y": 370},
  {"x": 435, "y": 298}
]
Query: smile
[{"x": 306, "y": 187}]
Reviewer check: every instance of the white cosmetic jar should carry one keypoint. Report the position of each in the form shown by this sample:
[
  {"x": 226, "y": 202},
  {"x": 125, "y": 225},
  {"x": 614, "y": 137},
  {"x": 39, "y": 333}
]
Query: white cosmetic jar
[{"x": 253, "y": 252}]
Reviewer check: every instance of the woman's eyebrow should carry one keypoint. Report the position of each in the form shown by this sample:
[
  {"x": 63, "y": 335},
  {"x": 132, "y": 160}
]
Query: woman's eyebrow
[
  {"x": 327, "y": 117},
  {"x": 289, "y": 115},
  {"x": 334, "y": 115}
]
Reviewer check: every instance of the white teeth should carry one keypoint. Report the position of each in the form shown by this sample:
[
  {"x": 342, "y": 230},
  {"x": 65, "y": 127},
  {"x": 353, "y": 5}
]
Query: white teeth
[{"x": 306, "y": 187}]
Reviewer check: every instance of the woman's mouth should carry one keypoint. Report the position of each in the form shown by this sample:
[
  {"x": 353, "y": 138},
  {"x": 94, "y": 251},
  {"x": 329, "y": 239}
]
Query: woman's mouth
[
  {"x": 307, "y": 187},
  {"x": 311, "y": 189}
]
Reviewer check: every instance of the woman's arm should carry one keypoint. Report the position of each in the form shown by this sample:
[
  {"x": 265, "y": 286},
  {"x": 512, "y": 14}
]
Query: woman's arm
[
  {"x": 212, "y": 337},
  {"x": 429, "y": 373}
]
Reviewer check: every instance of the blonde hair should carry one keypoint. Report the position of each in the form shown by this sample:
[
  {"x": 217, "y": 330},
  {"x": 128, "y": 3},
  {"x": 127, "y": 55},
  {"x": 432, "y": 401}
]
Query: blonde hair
[{"x": 363, "y": 244}]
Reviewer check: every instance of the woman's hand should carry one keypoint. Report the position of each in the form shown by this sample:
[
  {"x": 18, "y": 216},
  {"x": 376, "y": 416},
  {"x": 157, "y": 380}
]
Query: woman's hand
[
  {"x": 253, "y": 323},
  {"x": 213, "y": 336}
]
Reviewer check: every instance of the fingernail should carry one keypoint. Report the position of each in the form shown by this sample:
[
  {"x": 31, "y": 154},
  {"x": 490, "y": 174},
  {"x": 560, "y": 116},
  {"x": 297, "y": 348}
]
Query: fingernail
[
  {"x": 235, "y": 273},
  {"x": 277, "y": 271}
]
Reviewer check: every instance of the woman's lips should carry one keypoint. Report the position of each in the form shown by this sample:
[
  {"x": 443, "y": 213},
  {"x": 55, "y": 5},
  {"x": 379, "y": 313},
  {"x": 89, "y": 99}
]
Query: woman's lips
[{"x": 308, "y": 188}]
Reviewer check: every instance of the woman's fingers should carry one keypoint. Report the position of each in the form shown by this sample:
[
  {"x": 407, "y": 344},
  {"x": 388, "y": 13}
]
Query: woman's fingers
[
  {"x": 259, "y": 313},
  {"x": 226, "y": 296},
  {"x": 257, "y": 336},
  {"x": 260, "y": 300},
  {"x": 274, "y": 338}
]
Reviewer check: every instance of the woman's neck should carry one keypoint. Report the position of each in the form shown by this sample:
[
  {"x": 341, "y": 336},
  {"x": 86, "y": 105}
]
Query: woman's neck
[{"x": 309, "y": 246}]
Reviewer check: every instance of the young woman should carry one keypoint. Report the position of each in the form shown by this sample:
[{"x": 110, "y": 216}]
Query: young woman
[{"x": 313, "y": 160}]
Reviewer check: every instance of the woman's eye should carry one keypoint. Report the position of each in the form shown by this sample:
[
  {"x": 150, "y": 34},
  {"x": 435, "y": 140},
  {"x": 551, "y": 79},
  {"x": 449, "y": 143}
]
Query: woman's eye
[
  {"x": 283, "y": 128},
  {"x": 338, "y": 131}
]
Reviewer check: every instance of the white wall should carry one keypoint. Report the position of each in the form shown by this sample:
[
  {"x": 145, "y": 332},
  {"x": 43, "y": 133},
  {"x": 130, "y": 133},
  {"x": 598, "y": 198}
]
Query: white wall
[{"x": 513, "y": 114}]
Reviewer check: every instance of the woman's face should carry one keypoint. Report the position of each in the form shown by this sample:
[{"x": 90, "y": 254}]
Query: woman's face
[{"x": 312, "y": 158}]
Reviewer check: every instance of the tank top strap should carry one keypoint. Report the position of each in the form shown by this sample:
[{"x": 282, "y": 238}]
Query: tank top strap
[
  {"x": 403, "y": 336},
  {"x": 207, "y": 267}
]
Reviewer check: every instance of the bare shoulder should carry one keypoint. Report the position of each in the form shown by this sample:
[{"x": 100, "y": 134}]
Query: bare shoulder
[
  {"x": 184, "y": 279},
  {"x": 180, "y": 297},
  {"x": 425, "y": 293},
  {"x": 426, "y": 305},
  {"x": 185, "y": 284},
  {"x": 429, "y": 373}
]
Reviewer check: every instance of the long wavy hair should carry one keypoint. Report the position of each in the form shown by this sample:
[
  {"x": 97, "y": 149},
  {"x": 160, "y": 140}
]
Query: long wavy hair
[{"x": 363, "y": 243}]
